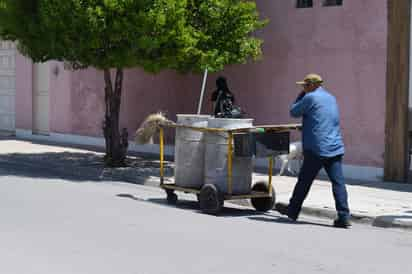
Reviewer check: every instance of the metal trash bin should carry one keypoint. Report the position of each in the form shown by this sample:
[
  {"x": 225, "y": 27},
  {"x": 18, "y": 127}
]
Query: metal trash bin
[
  {"x": 216, "y": 151},
  {"x": 190, "y": 151}
]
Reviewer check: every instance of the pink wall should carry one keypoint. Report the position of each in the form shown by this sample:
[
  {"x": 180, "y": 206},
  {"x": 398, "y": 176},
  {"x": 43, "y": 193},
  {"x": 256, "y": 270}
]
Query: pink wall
[
  {"x": 346, "y": 45},
  {"x": 24, "y": 97},
  {"x": 143, "y": 94},
  {"x": 60, "y": 98},
  {"x": 77, "y": 98}
]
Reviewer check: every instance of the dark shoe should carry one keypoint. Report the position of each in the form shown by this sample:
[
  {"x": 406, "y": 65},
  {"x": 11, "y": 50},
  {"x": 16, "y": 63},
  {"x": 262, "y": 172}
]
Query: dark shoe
[
  {"x": 342, "y": 223},
  {"x": 284, "y": 210},
  {"x": 281, "y": 208}
]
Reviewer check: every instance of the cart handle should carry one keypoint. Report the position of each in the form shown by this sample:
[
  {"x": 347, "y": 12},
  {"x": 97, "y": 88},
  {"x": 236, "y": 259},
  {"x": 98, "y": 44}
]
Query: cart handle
[
  {"x": 270, "y": 175},
  {"x": 230, "y": 163},
  {"x": 161, "y": 145}
]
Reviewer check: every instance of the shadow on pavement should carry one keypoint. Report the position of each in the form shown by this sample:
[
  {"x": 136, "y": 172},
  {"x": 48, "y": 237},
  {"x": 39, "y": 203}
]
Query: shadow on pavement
[
  {"x": 191, "y": 205},
  {"x": 130, "y": 196},
  {"x": 93, "y": 148},
  {"x": 181, "y": 204},
  {"x": 283, "y": 220},
  {"x": 78, "y": 166}
]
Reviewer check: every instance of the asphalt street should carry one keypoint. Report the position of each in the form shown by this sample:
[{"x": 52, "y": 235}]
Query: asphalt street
[{"x": 71, "y": 226}]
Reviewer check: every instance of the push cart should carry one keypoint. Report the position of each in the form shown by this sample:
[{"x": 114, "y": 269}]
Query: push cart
[{"x": 242, "y": 142}]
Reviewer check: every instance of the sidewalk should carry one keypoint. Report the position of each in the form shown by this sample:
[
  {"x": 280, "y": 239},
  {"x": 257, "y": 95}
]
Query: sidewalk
[{"x": 378, "y": 203}]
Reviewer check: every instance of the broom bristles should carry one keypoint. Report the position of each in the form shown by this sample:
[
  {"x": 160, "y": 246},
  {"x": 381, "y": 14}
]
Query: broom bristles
[{"x": 149, "y": 127}]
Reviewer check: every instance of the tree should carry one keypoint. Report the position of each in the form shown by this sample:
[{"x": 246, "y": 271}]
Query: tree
[{"x": 182, "y": 35}]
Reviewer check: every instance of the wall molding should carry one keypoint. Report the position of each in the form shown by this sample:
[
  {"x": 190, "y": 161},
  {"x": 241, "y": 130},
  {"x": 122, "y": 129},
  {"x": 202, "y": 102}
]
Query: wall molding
[{"x": 362, "y": 173}]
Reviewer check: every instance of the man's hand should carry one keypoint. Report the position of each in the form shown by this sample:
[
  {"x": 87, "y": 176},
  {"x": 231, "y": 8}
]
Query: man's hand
[{"x": 300, "y": 96}]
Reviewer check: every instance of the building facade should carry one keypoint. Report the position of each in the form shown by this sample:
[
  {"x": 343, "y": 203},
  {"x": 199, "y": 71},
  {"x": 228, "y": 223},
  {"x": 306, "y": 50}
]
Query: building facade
[{"x": 344, "y": 41}]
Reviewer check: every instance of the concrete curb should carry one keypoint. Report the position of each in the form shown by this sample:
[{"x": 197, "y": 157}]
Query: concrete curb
[
  {"x": 394, "y": 222},
  {"x": 403, "y": 222}
]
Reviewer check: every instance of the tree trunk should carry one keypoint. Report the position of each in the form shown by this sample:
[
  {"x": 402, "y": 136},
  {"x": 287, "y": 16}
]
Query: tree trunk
[{"x": 116, "y": 142}]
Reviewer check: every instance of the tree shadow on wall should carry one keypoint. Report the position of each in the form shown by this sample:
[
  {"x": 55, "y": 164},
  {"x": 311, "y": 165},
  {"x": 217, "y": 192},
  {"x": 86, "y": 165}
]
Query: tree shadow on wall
[{"x": 78, "y": 166}]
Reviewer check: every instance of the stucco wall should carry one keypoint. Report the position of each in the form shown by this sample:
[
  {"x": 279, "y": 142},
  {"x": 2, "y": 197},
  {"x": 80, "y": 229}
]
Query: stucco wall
[
  {"x": 346, "y": 45},
  {"x": 77, "y": 97},
  {"x": 143, "y": 94},
  {"x": 60, "y": 98},
  {"x": 24, "y": 97}
]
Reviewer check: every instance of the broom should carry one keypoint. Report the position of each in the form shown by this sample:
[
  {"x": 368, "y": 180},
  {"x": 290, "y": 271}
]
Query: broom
[{"x": 149, "y": 127}]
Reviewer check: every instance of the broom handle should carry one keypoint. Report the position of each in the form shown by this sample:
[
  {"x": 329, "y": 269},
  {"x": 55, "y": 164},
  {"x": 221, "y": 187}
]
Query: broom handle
[{"x": 202, "y": 92}]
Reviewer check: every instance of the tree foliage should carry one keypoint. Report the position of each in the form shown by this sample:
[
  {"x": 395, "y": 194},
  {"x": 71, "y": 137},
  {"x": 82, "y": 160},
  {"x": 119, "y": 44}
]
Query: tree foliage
[{"x": 182, "y": 35}]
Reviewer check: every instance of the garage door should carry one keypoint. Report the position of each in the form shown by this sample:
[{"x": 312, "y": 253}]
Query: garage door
[{"x": 7, "y": 86}]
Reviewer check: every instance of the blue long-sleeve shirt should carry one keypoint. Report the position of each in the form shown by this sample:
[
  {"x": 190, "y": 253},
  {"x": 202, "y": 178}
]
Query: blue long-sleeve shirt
[{"x": 320, "y": 118}]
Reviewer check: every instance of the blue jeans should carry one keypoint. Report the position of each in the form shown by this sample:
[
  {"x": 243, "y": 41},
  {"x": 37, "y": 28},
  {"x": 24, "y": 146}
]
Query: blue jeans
[{"x": 310, "y": 169}]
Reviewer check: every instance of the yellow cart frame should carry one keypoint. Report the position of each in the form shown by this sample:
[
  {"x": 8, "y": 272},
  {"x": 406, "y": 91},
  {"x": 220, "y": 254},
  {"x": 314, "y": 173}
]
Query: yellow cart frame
[{"x": 230, "y": 132}]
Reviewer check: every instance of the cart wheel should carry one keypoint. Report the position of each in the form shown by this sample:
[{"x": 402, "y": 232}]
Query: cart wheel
[
  {"x": 210, "y": 199},
  {"x": 171, "y": 196},
  {"x": 263, "y": 204}
]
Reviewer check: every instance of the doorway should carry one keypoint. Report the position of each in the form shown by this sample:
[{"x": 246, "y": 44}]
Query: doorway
[
  {"x": 7, "y": 87},
  {"x": 41, "y": 85}
]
